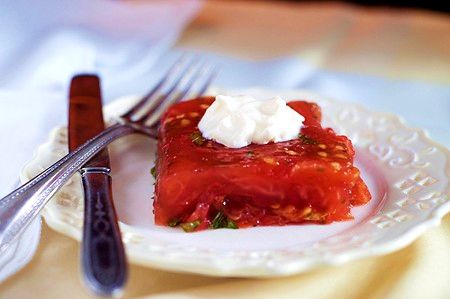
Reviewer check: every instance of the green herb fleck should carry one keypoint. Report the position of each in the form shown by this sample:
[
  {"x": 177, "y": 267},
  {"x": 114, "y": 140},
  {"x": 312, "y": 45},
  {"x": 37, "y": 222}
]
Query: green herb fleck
[
  {"x": 197, "y": 138},
  {"x": 218, "y": 220},
  {"x": 190, "y": 226},
  {"x": 174, "y": 222},
  {"x": 306, "y": 140},
  {"x": 231, "y": 224},
  {"x": 153, "y": 172},
  {"x": 222, "y": 221},
  {"x": 250, "y": 154}
]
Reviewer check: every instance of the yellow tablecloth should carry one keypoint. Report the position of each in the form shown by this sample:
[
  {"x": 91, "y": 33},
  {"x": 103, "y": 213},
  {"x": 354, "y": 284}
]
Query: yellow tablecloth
[
  {"x": 422, "y": 270},
  {"x": 403, "y": 44}
]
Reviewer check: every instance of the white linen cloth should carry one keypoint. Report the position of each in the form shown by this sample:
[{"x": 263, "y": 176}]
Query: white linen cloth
[{"x": 42, "y": 45}]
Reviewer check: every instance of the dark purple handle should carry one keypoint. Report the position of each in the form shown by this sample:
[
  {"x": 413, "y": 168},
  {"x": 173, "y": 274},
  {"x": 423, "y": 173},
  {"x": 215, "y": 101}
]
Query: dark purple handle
[{"x": 103, "y": 254}]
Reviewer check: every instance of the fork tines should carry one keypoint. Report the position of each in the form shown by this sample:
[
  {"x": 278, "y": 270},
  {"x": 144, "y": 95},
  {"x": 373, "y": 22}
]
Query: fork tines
[{"x": 188, "y": 77}]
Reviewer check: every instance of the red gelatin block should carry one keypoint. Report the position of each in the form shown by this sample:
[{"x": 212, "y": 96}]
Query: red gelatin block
[{"x": 202, "y": 184}]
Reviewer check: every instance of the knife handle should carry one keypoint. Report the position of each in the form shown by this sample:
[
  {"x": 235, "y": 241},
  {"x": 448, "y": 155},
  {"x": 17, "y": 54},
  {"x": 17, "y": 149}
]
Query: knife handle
[{"x": 103, "y": 254}]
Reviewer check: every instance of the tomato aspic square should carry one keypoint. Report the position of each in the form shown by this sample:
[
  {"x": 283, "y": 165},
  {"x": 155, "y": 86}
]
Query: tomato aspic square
[{"x": 202, "y": 184}]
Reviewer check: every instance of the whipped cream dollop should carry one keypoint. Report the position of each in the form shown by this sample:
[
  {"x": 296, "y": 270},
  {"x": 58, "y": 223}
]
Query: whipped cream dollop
[{"x": 237, "y": 121}]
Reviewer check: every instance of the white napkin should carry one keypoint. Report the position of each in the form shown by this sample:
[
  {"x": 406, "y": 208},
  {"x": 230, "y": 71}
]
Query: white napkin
[{"x": 43, "y": 45}]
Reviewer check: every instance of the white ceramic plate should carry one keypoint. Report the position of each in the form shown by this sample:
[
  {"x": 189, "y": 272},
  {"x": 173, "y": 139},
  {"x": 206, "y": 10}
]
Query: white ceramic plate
[
  {"x": 407, "y": 174},
  {"x": 21, "y": 251}
]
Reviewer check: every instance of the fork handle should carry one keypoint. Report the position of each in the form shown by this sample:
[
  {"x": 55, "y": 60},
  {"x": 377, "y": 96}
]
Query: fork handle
[
  {"x": 20, "y": 207},
  {"x": 103, "y": 255}
]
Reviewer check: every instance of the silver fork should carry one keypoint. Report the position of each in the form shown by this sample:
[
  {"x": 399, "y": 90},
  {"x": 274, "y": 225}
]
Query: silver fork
[{"x": 20, "y": 207}]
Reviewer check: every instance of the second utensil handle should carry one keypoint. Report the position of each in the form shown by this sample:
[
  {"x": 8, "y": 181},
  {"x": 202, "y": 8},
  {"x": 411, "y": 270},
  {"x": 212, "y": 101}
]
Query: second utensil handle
[{"x": 103, "y": 255}]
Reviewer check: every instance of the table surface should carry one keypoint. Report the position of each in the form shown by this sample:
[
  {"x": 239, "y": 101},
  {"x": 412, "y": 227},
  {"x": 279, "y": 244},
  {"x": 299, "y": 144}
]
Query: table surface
[{"x": 405, "y": 44}]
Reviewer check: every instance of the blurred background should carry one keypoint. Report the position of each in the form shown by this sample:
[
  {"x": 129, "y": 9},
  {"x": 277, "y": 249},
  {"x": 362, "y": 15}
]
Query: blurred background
[{"x": 431, "y": 5}]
